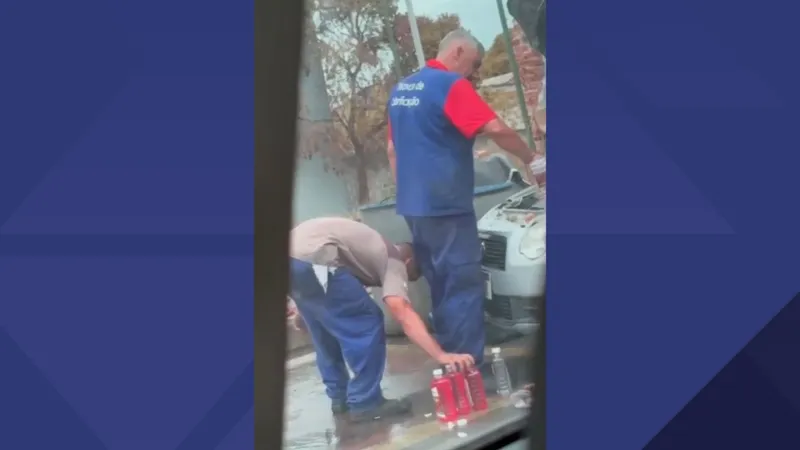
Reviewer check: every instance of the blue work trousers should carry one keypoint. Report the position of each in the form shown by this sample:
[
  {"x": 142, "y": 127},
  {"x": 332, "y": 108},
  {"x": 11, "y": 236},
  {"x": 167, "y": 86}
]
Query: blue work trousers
[
  {"x": 448, "y": 252},
  {"x": 346, "y": 328}
]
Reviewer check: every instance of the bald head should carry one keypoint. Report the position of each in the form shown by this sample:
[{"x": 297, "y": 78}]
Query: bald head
[
  {"x": 460, "y": 37},
  {"x": 460, "y": 52}
]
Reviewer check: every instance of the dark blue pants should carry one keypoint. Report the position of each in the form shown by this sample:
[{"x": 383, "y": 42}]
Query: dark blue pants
[
  {"x": 345, "y": 326},
  {"x": 448, "y": 252}
]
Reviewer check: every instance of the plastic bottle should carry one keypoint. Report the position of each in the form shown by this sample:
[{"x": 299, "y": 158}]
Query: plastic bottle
[
  {"x": 463, "y": 406},
  {"x": 501, "y": 374},
  {"x": 477, "y": 391},
  {"x": 443, "y": 397},
  {"x": 539, "y": 171}
]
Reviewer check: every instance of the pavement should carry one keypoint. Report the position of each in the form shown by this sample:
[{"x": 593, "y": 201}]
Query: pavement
[{"x": 309, "y": 423}]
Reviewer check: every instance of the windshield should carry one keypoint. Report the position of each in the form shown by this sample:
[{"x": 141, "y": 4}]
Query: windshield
[{"x": 359, "y": 374}]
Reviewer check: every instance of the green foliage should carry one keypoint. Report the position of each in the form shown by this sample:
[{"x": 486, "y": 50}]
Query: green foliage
[
  {"x": 431, "y": 33},
  {"x": 365, "y": 46},
  {"x": 496, "y": 60}
]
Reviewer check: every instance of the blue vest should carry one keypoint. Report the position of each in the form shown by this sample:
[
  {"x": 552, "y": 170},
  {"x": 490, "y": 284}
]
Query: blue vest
[{"x": 435, "y": 169}]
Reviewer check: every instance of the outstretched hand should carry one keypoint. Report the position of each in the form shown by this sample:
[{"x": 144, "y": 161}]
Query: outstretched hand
[
  {"x": 293, "y": 317},
  {"x": 297, "y": 323},
  {"x": 456, "y": 360}
]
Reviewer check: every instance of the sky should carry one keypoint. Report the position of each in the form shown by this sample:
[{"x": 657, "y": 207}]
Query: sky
[{"x": 478, "y": 16}]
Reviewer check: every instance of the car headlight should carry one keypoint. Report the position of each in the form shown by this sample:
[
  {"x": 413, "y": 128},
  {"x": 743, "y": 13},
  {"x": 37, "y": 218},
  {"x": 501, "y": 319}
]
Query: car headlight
[{"x": 533, "y": 243}]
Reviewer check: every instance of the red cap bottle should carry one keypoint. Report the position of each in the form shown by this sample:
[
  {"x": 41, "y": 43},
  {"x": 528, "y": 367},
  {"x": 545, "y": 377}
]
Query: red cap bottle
[
  {"x": 443, "y": 397},
  {"x": 476, "y": 389},
  {"x": 462, "y": 393}
]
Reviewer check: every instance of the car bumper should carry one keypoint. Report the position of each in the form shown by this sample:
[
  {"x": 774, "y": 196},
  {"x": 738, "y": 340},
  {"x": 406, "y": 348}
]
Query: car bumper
[
  {"x": 525, "y": 327},
  {"x": 516, "y": 296}
]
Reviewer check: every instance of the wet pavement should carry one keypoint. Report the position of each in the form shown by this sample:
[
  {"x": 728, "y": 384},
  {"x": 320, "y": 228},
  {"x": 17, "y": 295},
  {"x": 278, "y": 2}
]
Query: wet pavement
[{"x": 309, "y": 423}]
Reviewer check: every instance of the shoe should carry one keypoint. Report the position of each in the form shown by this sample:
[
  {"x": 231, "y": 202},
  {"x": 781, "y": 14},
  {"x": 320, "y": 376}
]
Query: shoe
[
  {"x": 388, "y": 408},
  {"x": 338, "y": 407}
]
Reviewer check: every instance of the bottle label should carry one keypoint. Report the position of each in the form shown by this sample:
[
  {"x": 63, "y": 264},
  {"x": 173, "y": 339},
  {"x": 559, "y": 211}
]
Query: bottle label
[
  {"x": 437, "y": 403},
  {"x": 468, "y": 395}
]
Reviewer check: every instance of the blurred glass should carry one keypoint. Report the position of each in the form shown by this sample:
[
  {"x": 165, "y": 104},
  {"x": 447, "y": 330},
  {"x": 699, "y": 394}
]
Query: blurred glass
[{"x": 354, "y": 53}]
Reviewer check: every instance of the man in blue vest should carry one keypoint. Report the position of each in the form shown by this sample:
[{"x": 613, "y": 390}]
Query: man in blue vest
[{"x": 434, "y": 116}]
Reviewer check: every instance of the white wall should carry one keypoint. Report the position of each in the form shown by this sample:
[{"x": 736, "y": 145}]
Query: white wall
[{"x": 317, "y": 191}]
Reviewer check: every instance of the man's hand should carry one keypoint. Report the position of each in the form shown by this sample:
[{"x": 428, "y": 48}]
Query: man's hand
[
  {"x": 529, "y": 175},
  {"x": 482, "y": 153},
  {"x": 291, "y": 309},
  {"x": 537, "y": 170},
  {"x": 456, "y": 360},
  {"x": 293, "y": 317},
  {"x": 297, "y": 323}
]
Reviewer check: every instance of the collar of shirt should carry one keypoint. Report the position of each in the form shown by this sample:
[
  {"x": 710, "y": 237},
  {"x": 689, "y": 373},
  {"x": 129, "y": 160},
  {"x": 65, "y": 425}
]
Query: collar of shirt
[{"x": 434, "y": 64}]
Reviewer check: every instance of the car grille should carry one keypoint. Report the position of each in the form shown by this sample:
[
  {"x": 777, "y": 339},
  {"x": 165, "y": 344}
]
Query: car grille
[{"x": 493, "y": 248}]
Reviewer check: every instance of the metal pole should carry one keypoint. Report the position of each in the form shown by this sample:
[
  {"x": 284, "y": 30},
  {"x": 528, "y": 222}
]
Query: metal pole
[
  {"x": 515, "y": 71},
  {"x": 389, "y": 25},
  {"x": 412, "y": 22}
]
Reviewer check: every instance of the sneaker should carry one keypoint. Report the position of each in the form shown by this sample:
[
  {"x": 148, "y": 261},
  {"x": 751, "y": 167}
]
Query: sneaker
[
  {"x": 338, "y": 407},
  {"x": 389, "y": 408}
]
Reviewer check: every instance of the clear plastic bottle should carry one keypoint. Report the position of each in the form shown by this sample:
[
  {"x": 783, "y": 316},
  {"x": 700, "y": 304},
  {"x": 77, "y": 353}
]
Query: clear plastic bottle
[
  {"x": 538, "y": 169},
  {"x": 501, "y": 375}
]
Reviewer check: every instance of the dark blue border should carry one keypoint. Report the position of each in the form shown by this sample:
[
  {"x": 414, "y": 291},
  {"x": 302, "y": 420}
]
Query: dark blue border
[
  {"x": 671, "y": 237},
  {"x": 126, "y": 225}
]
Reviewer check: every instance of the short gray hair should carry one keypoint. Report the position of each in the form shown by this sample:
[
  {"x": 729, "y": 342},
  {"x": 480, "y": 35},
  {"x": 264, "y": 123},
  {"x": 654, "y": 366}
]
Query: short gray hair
[{"x": 460, "y": 35}]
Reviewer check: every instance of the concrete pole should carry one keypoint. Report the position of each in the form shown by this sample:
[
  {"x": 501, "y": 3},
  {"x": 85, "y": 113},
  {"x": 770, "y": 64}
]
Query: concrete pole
[
  {"x": 317, "y": 191},
  {"x": 412, "y": 22},
  {"x": 389, "y": 25}
]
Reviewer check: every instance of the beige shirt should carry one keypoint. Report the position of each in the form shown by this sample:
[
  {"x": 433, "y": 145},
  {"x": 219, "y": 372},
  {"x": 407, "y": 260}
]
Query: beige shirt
[{"x": 340, "y": 242}]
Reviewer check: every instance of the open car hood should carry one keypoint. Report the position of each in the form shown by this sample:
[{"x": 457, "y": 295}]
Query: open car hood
[{"x": 528, "y": 199}]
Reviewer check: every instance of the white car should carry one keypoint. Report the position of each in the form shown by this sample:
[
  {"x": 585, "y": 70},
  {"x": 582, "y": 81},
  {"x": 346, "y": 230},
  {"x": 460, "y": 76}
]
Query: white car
[{"x": 514, "y": 258}]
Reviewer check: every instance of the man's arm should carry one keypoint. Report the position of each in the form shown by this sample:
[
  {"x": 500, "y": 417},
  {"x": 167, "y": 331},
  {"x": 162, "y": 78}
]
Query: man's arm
[
  {"x": 395, "y": 297},
  {"x": 415, "y": 329},
  {"x": 390, "y": 152},
  {"x": 508, "y": 139},
  {"x": 413, "y": 326},
  {"x": 470, "y": 114}
]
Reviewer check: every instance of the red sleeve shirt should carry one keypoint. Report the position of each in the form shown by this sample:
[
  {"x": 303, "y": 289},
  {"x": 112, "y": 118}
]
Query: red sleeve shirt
[{"x": 466, "y": 109}]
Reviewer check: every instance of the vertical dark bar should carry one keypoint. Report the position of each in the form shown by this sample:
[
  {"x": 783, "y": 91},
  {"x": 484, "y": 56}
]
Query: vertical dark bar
[{"x": 277, "y": 62}]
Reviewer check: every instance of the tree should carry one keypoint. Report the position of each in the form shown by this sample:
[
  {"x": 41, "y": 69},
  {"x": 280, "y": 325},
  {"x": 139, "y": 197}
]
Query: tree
[
  {"x": 431, "y": 31},
  {"x": 496, "y": 60},
  {"x": 352, "y": 44},
  {"x": 364, "y": 45}
]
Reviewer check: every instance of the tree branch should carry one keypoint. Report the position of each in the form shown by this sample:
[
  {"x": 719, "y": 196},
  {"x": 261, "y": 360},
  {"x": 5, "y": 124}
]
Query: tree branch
[{"x": 378, "y": 127}]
